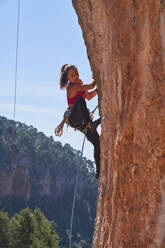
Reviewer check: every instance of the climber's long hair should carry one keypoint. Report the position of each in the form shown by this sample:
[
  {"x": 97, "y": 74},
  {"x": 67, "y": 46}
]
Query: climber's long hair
[{"x": 64, "y": 74}]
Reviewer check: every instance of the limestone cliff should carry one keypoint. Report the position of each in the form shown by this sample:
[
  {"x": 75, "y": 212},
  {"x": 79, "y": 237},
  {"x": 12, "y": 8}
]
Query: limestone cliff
[{"x": 125, "y": 43}]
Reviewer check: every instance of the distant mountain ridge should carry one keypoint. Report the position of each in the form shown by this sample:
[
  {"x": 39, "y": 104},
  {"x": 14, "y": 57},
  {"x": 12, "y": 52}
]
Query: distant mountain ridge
[{"x": 38, "y": 171}]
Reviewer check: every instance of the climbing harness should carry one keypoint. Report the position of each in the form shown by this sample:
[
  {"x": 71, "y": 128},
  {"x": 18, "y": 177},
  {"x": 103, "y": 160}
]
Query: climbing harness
[
  {"x": 59, "y": 129},
  {"x": 75, "y": 192},
  {"x": 66, "y": 115}
]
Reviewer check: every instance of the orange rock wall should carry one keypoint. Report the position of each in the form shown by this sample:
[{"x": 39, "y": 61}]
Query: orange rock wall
[{"x": 125, "y": 43}]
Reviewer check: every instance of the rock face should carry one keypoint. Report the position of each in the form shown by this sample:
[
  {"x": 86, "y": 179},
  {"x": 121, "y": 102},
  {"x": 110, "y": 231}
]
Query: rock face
[{"x": 125, "y": 43}]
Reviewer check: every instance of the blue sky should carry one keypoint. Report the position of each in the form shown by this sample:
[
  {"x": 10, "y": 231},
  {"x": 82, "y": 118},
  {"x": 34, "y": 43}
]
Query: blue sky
[{"x": 50, "y": 36}]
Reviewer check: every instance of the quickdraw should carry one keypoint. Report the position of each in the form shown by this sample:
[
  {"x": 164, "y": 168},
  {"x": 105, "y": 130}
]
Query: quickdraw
[
  {"x": 92, "y": 113},
  {"x": 59, "y": 129}
]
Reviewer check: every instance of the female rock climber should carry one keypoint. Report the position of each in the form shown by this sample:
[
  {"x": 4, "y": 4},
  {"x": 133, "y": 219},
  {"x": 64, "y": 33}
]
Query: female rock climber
[{"x": 79, "y": 117}]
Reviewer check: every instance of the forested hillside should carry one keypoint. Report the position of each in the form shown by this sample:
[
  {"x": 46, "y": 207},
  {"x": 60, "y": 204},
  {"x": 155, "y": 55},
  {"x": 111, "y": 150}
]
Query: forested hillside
[
  {"x": 39, "y": 172},
  {"x": 27, "y": 229}
]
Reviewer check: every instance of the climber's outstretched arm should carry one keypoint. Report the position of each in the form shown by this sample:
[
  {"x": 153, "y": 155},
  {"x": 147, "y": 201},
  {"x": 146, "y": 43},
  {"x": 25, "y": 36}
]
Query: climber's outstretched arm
[{"x": 91, "y": 94}]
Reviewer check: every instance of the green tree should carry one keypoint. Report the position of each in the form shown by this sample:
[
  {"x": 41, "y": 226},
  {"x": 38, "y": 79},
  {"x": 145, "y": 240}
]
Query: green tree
[
  {"x": 21, "y": 227},
  {"x": 4, "y": 219},
  {"x": 32, "y": 230},
  {"x": 44, "y": 235}
]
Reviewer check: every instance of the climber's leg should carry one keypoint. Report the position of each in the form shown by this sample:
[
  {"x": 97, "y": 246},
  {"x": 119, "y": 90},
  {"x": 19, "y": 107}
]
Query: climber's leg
[{"x": 93, "y": 137}]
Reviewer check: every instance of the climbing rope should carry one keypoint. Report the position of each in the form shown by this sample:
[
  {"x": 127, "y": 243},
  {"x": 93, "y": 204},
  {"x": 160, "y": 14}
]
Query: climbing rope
[
  {"x": 58, "y": 132},
  {"x": 75, "y": 192},
  {"x": 14, "y": 101},
  {"x": 15, "y": 93},
  {"x": 16, "y": 59}
]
